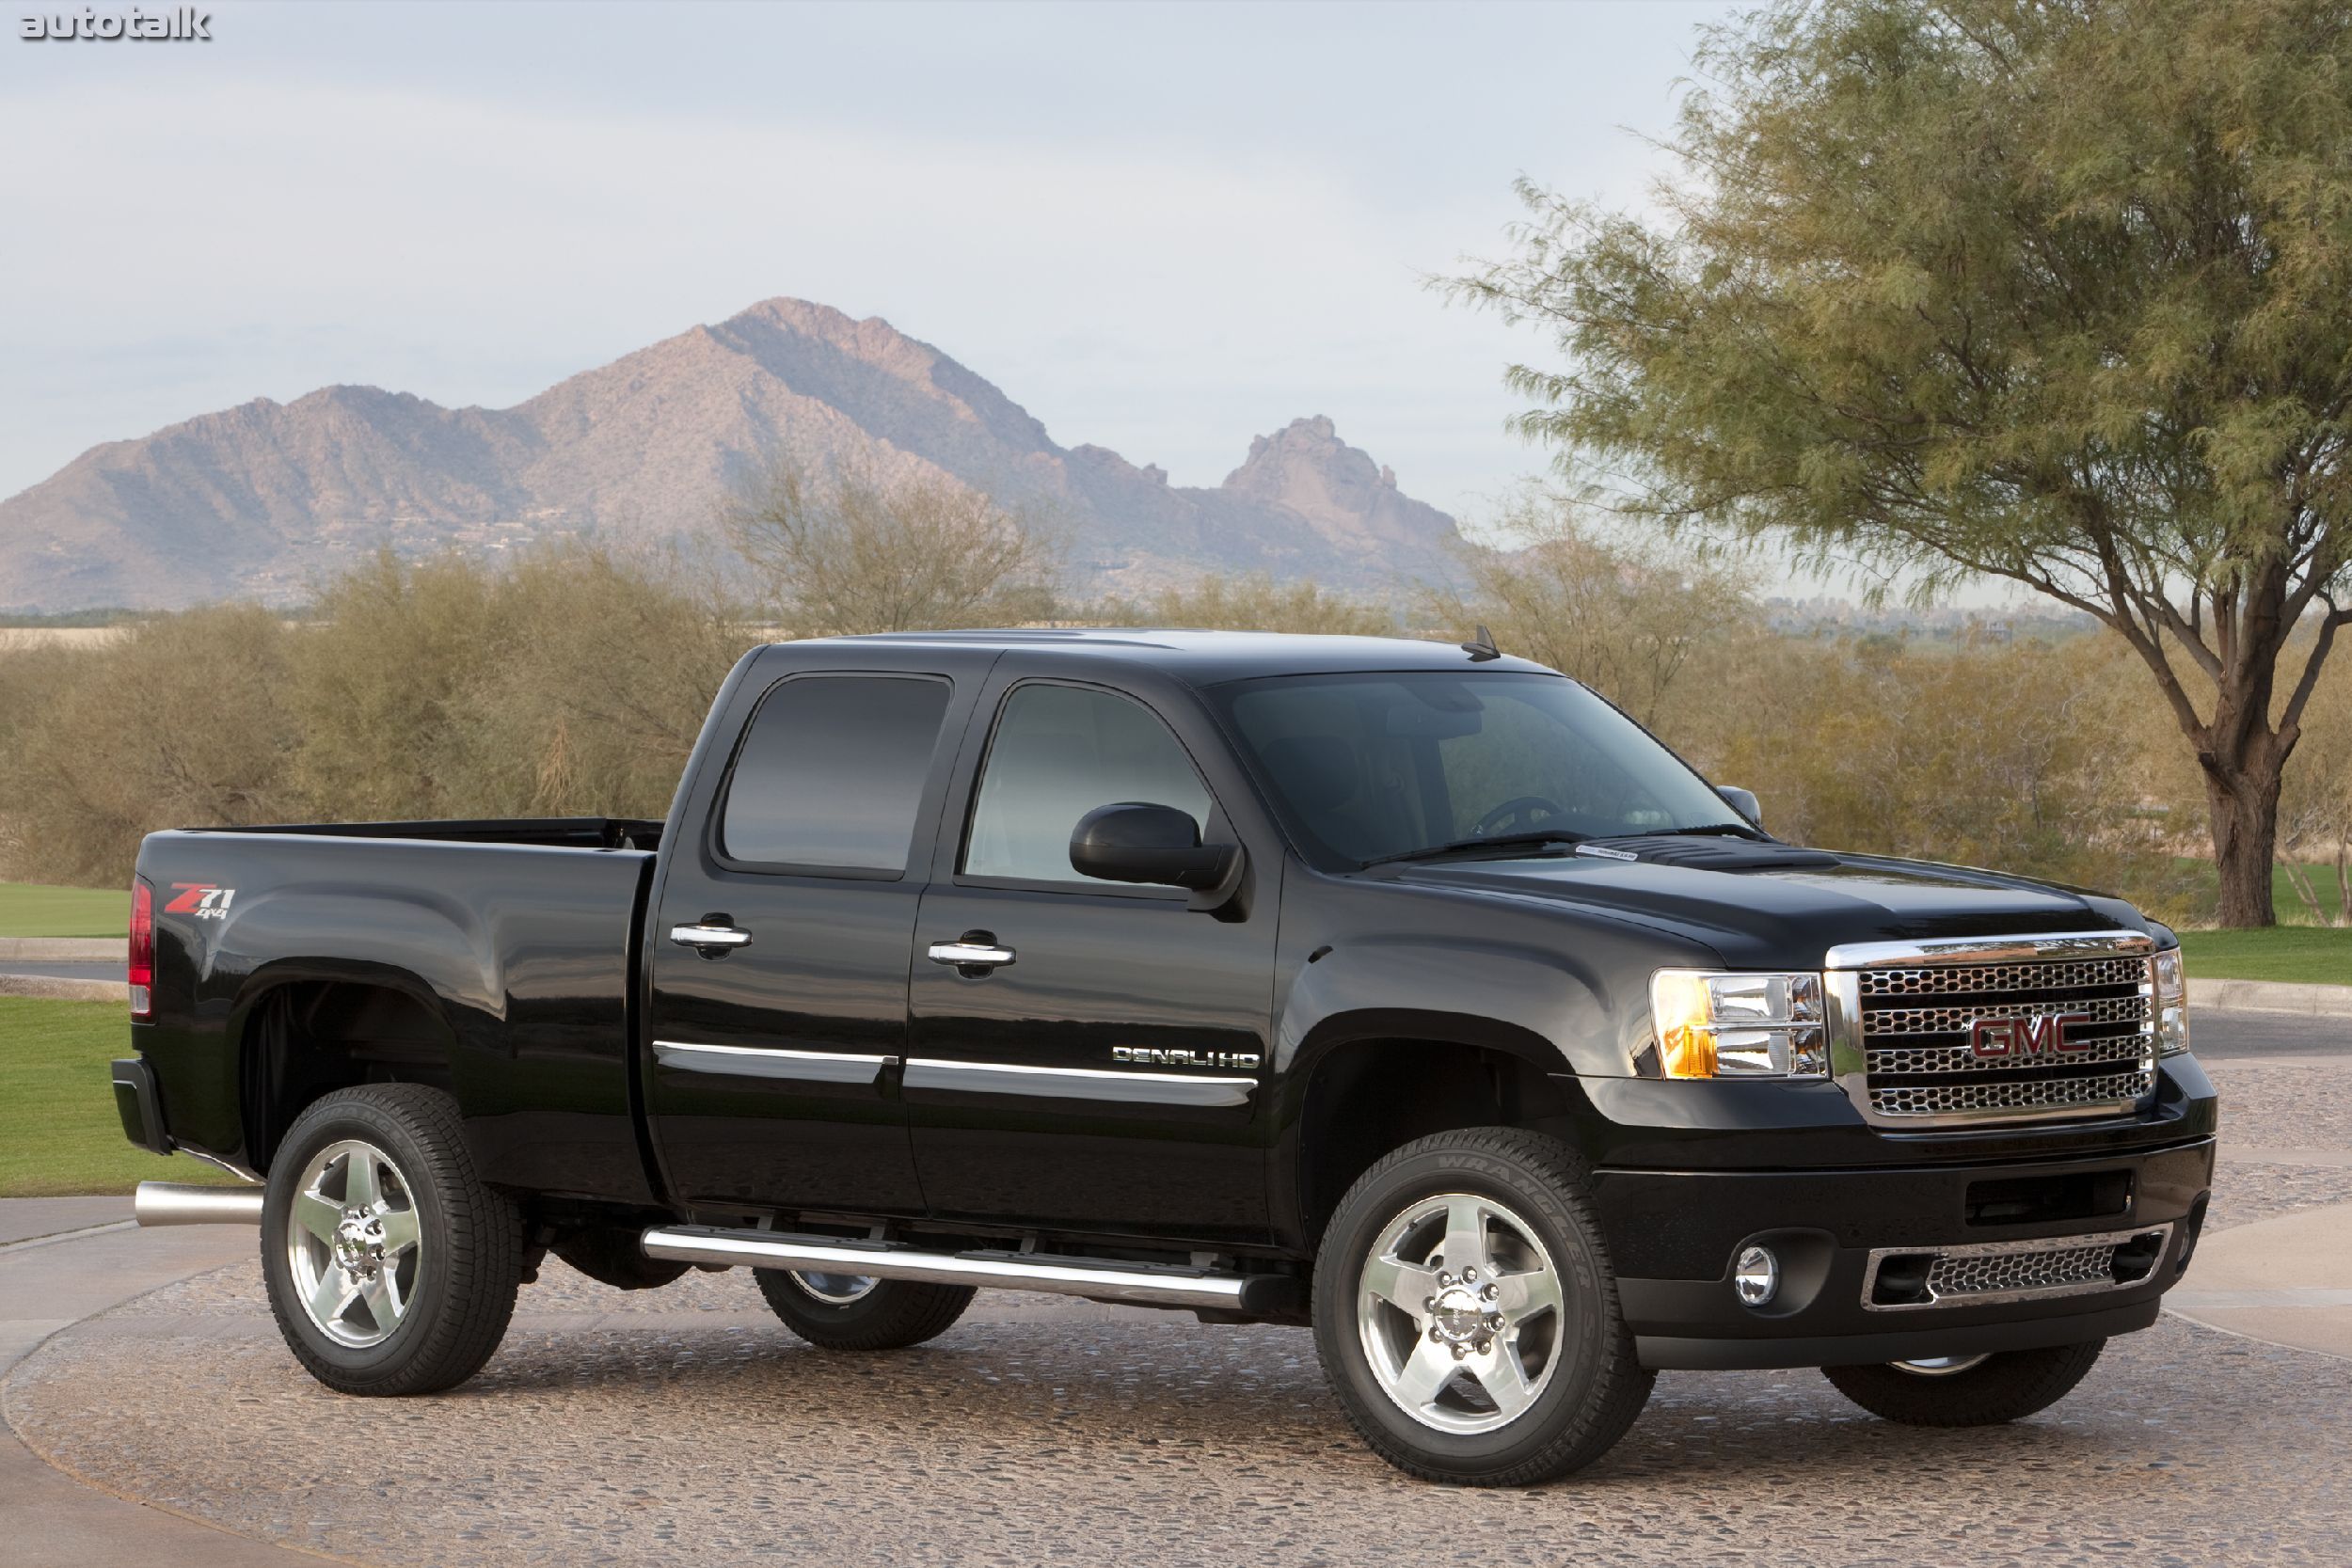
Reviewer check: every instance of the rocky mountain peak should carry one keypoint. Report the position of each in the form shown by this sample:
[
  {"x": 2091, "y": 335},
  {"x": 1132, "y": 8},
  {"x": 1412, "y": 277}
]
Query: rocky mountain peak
[
  {"x": 260, "y": 498},
  {"x": 1307, "y": 469}
]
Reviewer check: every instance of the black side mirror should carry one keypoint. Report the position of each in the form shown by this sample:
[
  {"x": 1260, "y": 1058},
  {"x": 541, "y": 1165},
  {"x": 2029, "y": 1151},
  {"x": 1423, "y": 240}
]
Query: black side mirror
[
  {"x": 1136, "y": 842},
  {"x": 1743, "y": 801}
]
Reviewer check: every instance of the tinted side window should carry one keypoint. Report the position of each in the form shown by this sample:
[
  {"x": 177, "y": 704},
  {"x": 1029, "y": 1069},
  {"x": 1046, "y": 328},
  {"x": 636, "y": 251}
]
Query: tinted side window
[
  {"x": 832, "y": 771},
  {"x": 1061, "y": 752}
]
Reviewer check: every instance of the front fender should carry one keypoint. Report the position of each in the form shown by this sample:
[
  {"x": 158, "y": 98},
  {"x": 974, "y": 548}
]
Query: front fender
[{"x": 1582, "y": 1009}]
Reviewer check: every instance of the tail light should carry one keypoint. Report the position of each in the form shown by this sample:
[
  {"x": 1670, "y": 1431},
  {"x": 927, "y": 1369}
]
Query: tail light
[{"x": 142, "y": 975}]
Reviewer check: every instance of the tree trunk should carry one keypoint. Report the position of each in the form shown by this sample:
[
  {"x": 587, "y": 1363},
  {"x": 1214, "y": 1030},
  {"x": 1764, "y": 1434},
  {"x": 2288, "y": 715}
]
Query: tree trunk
[
  {"x": 2243, "y": 805},
  {"x": 2344, "y": 881}
]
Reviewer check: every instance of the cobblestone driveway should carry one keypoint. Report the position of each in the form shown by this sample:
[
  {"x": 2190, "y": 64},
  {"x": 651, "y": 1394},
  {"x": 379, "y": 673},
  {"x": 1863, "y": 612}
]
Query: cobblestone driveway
[{"x": 684, "y": 1426}]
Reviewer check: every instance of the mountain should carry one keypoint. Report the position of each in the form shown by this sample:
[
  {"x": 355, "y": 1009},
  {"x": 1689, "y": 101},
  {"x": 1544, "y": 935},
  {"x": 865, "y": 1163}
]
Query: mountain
[{"x": 262, "y": 498}]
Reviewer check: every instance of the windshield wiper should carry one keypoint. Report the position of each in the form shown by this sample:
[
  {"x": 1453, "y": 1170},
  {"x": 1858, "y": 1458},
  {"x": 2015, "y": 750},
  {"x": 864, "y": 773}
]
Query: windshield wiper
[{"x": 1463, "y": 845}]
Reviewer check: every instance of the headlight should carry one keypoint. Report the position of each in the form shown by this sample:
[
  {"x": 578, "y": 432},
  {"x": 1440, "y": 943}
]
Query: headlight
[
  {"x": 2170, "y": 985},
  {"x": 1738, "y": 1025}
]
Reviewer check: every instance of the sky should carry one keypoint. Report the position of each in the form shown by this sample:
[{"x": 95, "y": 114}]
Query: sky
[{"x": 1161, "y": 228}]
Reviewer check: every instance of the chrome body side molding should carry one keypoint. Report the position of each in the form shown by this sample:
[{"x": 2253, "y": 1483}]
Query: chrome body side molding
[
  {"x": 755, "y": 1061},
  {"x": 1075, "y": 1083}
]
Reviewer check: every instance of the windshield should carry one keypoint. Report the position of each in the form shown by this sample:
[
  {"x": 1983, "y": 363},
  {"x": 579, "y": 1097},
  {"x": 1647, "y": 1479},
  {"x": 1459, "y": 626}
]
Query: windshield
[{"x": 1368, "y": 767}]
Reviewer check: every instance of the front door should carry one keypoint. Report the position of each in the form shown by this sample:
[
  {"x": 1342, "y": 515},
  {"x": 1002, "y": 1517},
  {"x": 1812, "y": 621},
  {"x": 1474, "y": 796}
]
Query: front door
[
  {"x": 1084, "y": 1055},
  {"x": 779, "y": 951}
]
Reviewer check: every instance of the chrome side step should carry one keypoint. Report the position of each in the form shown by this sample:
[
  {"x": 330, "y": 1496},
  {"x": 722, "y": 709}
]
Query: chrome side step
[
  {"x": 1145, "y": 1284},
  {"x": 177, "y": 1203}
]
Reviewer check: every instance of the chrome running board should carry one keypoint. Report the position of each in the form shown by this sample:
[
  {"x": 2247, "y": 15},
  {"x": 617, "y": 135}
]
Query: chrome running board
[
  {"x": 177, "y": 1203},
  {"x": 1145, "y": 1284}
]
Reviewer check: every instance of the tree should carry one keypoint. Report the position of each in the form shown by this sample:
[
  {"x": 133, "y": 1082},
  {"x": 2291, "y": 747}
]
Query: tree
[
  {"x": 2059, "y": 293},
  {"x": 1252, "y": 603},
  {"x": 848, "y": 550},
  {"x": 175, "y": 724},
  {"x": 1622, "y": 620},
  {"x": 2315, "y": 806}
]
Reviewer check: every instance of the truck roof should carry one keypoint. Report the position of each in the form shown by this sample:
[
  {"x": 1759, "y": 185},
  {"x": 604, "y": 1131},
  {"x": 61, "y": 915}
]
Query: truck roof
[{"x": 1207, "y": 658}]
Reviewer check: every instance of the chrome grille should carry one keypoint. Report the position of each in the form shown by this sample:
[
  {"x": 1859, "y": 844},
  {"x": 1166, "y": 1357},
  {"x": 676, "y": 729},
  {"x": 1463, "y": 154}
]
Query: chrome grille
[
  {"x": 2040, "y": 974},
  {"x": 2020, "y": 1271},
  {"x": 1959, "y": 1058},
  {"x": 1950, "y": 1019},
  {"x": 1914, "y": 1019},
  {"x": 2018, "y": 1092},
  {"x": 1898, "y": 1279}
]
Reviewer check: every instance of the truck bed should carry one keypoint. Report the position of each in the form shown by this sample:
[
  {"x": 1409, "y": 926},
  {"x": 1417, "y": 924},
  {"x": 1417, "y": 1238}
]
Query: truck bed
[{"x": 496, "y": 958}]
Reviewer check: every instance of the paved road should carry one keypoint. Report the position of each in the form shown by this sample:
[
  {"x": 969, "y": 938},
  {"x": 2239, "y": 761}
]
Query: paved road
[
  {"x": 60, "y": 1261},
  {"x": 61, "y": 971},
  {"x": 2220, "y": 1037}
]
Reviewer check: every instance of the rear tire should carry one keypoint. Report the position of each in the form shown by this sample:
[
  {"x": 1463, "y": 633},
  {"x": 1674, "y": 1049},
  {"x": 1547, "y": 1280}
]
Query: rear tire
[
  {"x": 1466, "y": 1313},
  {"x": 2003, "y": 1387},
  {"x": 855, "y": 1313},
  {"x": 391, "y": 1268}
]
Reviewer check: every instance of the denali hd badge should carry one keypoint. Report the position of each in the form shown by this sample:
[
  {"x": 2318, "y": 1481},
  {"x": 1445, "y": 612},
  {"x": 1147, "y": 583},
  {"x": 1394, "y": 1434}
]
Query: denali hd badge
[
  {"x": 2001, "y": 1039},
  {"x": 1139, "y": 1056}
]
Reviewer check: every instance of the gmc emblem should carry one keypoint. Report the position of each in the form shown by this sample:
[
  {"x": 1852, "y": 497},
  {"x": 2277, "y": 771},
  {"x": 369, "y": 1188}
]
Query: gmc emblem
[{"x": 2000, "y": 1038}]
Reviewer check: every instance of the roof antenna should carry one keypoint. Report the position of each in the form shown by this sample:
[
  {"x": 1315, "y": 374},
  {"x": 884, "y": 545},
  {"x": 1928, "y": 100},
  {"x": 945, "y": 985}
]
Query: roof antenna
[{"x": 1482, "y": 647}]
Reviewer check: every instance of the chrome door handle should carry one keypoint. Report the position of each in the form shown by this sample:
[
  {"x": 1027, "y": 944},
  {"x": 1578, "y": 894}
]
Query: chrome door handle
[
  {"x": 970, "y": 955},
  {"x": 710, "y": 936}
]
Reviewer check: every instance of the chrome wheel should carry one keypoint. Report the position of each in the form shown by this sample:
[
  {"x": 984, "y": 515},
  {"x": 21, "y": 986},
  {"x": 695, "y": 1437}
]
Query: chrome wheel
[
  {"x": 1458, "y": 1306},
  {"x": 353, "y": 1245},
  {"x": 1939, "y": 1365},
  {"x": 833, "y": 1289}
]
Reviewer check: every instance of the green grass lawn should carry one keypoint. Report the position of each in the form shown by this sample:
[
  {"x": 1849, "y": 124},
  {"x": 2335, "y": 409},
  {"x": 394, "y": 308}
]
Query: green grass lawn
[
  {"x": 2304, "y": 954},
  {"x": 2292, "y": 910},
  {"x": 58, "y": 1131},
  {"x": 29, "y": 910}
]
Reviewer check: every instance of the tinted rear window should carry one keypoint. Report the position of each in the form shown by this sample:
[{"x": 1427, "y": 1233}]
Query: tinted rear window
[{"x": 832, "y": 773}]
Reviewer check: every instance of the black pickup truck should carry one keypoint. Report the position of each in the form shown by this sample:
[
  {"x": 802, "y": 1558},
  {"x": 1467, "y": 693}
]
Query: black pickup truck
[{"x": 1412, "y": 993}]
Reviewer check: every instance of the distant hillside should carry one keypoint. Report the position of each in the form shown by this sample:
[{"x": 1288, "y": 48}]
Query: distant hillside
[{"x": 259, "y": 498}]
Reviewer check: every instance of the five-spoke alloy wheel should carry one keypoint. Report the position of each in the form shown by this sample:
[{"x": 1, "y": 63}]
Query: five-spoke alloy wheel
[
  {"x": 1459, "y": 1310},
  {"x": 353, "y": 1247},
  {"x": 391, "y": 1267},
  {"x": 1467, "y": 1316}
]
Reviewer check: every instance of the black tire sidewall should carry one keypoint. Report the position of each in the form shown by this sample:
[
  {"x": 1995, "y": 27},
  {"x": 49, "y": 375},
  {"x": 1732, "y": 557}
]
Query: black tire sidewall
[
  {"x": 895, "y": 1313},
  {"x": 2008, "y": 1387},
  {"x": 1588, "y": 1322},
  {"x": 332, "y": 1120}
]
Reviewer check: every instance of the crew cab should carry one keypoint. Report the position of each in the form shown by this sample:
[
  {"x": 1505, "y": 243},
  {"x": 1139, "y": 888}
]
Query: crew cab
[{"x": 1407, "y": 992}]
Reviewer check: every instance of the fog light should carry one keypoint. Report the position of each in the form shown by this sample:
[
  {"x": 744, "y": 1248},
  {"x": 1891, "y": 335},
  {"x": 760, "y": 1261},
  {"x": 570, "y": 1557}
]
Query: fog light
[{"x": 1755, "y": 1276}]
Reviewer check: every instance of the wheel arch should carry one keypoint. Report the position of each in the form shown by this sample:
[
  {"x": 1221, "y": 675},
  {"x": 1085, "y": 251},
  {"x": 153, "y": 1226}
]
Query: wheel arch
[
  {"x": 305, "y": 1029},
  {"x": 1363, "y": 1083}
]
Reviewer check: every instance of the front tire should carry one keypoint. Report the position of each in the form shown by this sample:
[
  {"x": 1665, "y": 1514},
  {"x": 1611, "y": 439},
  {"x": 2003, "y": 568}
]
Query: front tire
[
  {"x": 391, "y": 1268},
  {"x": 1467, "y": 1316},
  {"x": 1979, "y": 1392},
  {"x": 854, "y": 1312}
]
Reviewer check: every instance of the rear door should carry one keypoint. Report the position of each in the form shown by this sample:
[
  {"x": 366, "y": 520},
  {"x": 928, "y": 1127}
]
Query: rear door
[
  {"x": 778, "y": 949},
  {"x": 1104, "y": 1075}
]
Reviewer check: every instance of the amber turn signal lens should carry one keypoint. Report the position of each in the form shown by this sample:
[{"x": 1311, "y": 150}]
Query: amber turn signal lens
[{"x": 1683, "y": 1011}]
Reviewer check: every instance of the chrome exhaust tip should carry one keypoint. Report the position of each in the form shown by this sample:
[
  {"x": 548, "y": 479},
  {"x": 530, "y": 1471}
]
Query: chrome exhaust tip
[{"x": 177, "y": 1203}]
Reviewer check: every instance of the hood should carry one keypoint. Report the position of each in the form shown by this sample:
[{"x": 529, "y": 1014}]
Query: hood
[{"x": 1775, "y": 905}]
